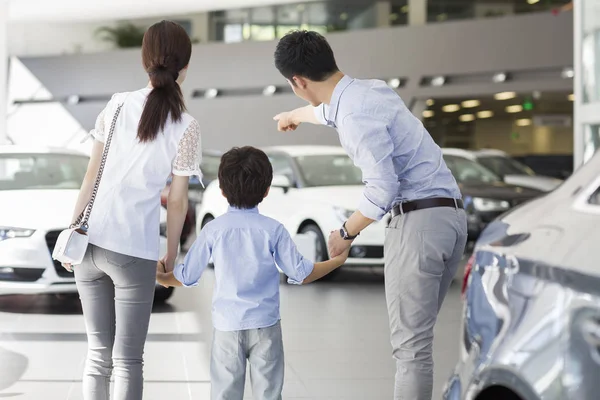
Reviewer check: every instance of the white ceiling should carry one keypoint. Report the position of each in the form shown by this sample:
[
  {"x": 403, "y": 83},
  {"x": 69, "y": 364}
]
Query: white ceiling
[{"x": 89, "y": 10}]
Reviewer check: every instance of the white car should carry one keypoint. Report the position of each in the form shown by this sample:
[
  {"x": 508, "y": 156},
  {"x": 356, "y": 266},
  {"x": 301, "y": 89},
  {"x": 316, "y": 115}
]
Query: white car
[
  {"x": 315, "y": 189},
  {"x": 508, "y": 169},
  {"x": 38, "y": 191}
]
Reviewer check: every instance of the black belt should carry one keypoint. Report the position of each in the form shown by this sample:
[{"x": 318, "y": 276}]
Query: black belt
[{"x": 422, "y": 204}]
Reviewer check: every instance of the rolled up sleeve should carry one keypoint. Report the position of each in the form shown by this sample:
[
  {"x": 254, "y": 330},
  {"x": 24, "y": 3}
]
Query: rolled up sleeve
[
  {"x": 289, "y": 260},
  {"x": 320, "y": 114},
  {"x": 373, "y": 151},
  {"x": 195, "y": 262}
]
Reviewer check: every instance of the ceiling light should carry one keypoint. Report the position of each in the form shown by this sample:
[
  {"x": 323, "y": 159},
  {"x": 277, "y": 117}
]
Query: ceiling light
[
  {"x": 505, "y": 95},
  {"x": 450, "y": 108},
  {"x": 537, "y": 94},
  {"x": 514, "y": 108},
  {"x": 344, "y": 16},
  {"x": 467, "y": 117},
  {"x": 73, "y": 100},
  {"x": 430, "y": 102},
  {"x": 533, "y": 1},
  {"x": 438, "y": 81},
  {"x": 523, "y": 122},
  {"x": 499, "y": 77},
  {"x": 428, "y": 113},
  {"x": 395, "y": 83},
  {"x": 211, "y": 93},
  {"x": 571, "y": 97},
  {"x": 567, "y": 73},
  {"x": 471, "y": 103},
  {"x": 485, "y": 114},
  {"x": 269, "y": 90}
]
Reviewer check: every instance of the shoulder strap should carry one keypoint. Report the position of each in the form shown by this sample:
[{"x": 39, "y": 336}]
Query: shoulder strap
[{"x": 82, "y": 220}]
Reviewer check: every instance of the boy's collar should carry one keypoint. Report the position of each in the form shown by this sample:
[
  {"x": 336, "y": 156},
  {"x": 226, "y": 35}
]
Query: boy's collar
[{"x": 253, "y": 210}]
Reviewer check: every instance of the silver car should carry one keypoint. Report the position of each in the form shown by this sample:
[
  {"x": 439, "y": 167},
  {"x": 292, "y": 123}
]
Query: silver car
[{"x": 531, "y": 321}]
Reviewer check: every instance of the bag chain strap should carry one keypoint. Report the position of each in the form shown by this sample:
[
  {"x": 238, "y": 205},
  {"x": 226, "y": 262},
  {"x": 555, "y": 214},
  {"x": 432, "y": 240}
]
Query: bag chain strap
[{"x": 82, "y": 220}]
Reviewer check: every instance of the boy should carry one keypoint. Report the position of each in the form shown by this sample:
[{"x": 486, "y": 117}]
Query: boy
[{"x": 245, "y": 246}]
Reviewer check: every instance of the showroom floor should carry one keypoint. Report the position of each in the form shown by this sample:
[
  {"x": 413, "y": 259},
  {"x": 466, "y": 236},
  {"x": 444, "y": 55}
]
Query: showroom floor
[{"x": 335, "y": 333}]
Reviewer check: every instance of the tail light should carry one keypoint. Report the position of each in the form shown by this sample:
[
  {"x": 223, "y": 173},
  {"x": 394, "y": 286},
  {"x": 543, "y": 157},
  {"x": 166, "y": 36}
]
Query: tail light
[{"x": 468, "y": 268}]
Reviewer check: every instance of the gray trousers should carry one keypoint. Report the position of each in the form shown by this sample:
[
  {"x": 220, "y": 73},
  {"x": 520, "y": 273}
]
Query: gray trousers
[
  {"x": 422, "y": 251},
  {"x": 117, "y": 292},
  {"x": 262, "y": 349}
]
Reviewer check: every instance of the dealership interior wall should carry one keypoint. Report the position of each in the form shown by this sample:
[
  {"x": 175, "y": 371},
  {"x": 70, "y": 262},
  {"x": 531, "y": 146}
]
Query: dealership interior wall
[{"x": 532, "y": 50}]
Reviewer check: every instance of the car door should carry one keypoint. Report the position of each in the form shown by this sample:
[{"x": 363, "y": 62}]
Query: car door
[{"x": 280, "y": 203}]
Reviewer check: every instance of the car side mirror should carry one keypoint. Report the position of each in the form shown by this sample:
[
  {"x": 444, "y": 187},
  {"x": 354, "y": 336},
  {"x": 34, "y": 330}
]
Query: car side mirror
[{"x": 282, "y": 182}]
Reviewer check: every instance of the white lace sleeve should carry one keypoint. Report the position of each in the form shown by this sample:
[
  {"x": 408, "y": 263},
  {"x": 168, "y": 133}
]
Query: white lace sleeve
[
  {"x": 189, "y": 152},
  {"x": 98, "y": 131}
]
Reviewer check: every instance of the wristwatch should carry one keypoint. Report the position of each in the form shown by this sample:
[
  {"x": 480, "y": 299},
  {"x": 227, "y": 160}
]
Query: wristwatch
[{"x": 345, "y": 235}]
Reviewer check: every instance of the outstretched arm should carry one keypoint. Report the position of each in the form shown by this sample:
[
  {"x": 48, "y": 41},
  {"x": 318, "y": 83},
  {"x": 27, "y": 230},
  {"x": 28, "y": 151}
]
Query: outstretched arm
[{"x": 289, "y": 121}]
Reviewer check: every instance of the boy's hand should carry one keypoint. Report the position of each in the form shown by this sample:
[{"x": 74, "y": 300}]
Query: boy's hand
[{"x": 342, "y": 257}]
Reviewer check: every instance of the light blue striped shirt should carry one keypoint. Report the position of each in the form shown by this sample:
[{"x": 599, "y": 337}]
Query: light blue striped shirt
[
  {"x": 246, "y": 248},
  {"x": 398, "y": 158}
]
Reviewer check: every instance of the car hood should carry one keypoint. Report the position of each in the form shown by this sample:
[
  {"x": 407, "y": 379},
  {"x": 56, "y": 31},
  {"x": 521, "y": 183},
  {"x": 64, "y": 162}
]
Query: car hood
[
  {"x": 498, "y": 191},
  {"x": 543, "y": 183},
  {"x": 346, "y": 197},
  {"x": 37, "y": 209}
]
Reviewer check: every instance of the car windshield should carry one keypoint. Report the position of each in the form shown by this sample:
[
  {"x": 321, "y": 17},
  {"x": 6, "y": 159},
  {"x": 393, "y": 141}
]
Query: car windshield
[
  {"x": 210, "y": 166},
  {"x": 504, "y": 166},
  {"x": 468, "y": 171},
  {"x": 41, "y": 171},
  {"x": 328, "y": 170}
]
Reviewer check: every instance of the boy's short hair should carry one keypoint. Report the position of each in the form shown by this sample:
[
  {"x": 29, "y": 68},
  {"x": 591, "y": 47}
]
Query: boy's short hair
[
  {"x": 306, "y": 54},
  {"x": 245, "y": 175}
]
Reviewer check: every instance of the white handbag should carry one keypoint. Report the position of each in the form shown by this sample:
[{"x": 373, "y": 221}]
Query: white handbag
[{"x": 72, "y": 243}]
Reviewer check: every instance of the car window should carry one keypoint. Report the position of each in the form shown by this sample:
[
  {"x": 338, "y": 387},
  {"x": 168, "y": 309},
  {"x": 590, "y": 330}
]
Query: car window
[
  {"x": 504, "y": 166},
  {"x": 41, "y": 171},
  {"x": 282, "y": 166},
  {"x": 468, "y": 171},
  {"x": 329, "y": 170},
  {"x": 595, "y": 198}
]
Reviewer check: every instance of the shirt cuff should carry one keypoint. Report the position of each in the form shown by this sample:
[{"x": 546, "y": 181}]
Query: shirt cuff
[
  {"x": 370, "y": 210},
  {"x": 304, "y": 270},
  {"x": 178, "y": 274}
]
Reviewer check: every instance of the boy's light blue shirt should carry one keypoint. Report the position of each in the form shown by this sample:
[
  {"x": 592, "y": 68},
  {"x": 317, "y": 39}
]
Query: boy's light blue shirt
[{"x": 246, "y": 248}]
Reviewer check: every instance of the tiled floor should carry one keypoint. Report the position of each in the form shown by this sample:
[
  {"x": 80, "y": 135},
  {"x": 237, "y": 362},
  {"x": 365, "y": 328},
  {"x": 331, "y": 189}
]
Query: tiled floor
[{"x": 335, "y": 334}]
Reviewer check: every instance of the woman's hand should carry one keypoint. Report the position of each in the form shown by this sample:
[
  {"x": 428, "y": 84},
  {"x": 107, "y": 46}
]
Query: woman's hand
[
  {"x": 68, "y": 267},
  {"x": 169, "y": 263}
]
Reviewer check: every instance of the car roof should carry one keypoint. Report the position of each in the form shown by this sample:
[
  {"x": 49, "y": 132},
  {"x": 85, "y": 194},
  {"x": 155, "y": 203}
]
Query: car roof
[
  {"x": 491, "y": 152},
  {"x": 19, "y": 149},
  {"x": 447, "y": 151},
  {"x": 304, "y": 150}
]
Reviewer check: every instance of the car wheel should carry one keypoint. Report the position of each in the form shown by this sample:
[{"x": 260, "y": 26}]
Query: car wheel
[
  {"x": 162, "y": 294},
  {"x": 321, "y": 253},
  {"x": 205, "y": 221}
]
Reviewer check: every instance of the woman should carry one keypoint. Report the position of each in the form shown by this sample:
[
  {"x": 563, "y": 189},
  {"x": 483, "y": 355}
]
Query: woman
[{"x": 153, "y": 137}]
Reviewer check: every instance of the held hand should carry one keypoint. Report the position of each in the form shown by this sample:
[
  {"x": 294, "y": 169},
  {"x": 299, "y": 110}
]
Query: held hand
[
  {"x": 342, "y": 257},
  {"x": 285, "y": 122},
  {"x": 169, "y": 263},
  {"x": 337, "y": 245},
  {"x": 160, "y": 271},
  {"x": 68, "y": 267}
]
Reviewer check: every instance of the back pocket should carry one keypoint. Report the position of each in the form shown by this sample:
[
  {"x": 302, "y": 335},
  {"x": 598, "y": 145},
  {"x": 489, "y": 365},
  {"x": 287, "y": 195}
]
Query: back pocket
[
  {"x": 118, "y": 259},
  {"x": 436, "y": 249}
]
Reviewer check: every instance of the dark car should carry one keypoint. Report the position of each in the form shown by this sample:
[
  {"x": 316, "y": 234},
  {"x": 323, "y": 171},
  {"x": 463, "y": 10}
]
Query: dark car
[
  {"x": 558, "y": 166},
  {"x": 485, "y": 195},
  {"x": 531, "y": 320},
  {"x": 210, "y": 168}
]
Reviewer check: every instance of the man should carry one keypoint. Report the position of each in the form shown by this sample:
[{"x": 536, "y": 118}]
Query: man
[{"x": 404, "y": 173}]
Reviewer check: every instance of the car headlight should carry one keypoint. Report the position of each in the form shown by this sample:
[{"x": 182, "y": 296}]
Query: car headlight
[
  {"x": 342, "y": 213},
  {"x": 482, "y": 204},
  {"x": 9, "y": 233}
]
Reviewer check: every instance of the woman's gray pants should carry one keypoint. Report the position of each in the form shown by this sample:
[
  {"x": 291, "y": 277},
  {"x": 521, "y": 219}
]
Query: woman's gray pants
[{"x": 117, "y": 292}]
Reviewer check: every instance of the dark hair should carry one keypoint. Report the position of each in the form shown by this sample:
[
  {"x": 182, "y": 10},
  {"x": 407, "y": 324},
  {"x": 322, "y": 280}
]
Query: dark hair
[
  {"x": 166, "y": 50},
  {"x": 306, "y": 54},
  {"x": 245, "y": 174}
]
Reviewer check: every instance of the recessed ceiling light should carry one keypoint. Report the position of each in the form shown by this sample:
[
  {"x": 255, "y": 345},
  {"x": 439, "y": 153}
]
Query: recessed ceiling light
[
  {"x": 395, "y": 83},
  {"x": 430, "y": 102},
  {"x": 269, "y": 90},
  {"x": 471, "y": 103},
  {"x": 428, "y": 113},
  {"x": 505, "y": 95},
  {"x": 571, "y": 97},
  {"x": 211, "y": 93},
  {"x": 567, "y": 73},
  {"x": 485, "y": 114},
  {"x": 499, "y": 77},
  {"x": 438, "y": 81},
  {"x": 450, "y": 108},
  {"x": 523, "y": 122},
  {"x": 533, "y": 1},
  {"x": 514, "y": 108},
  {"x": 467, "y": 117}
]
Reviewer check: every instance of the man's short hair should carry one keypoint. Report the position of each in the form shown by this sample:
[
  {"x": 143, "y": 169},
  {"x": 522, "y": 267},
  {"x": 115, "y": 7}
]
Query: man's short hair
[
  {"x": 306, "y": 54},
  {"x": 245, "y": 174}
]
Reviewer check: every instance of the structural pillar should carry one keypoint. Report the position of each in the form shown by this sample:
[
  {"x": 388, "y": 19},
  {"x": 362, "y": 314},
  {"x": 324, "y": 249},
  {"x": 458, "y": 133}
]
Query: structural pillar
[
  {"x": 3, "y": 70},
  {"x": 417, "y": 12},
  {"x": 383, "y": 10}
]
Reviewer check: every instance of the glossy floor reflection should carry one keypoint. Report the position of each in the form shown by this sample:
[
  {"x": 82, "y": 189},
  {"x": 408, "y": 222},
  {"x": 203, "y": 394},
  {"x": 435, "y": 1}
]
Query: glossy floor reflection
[{"x": 335, "y": 334}]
